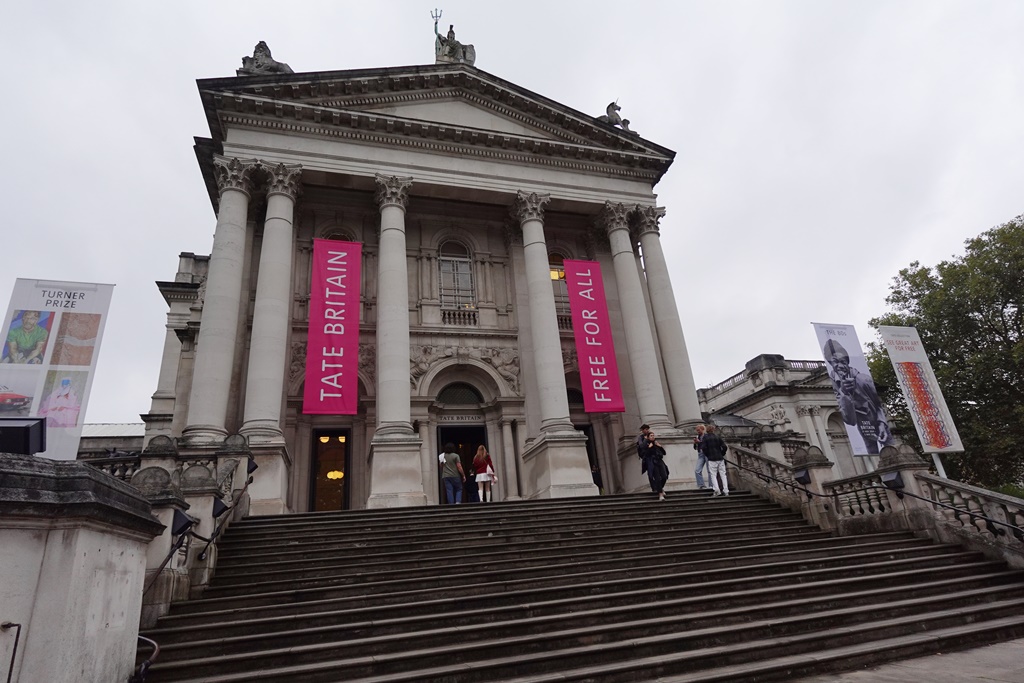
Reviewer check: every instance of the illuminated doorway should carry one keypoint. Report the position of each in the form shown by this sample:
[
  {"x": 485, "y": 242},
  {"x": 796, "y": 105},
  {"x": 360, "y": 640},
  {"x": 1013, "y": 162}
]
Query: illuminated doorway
[
  {"x": 330, "y": 485},
  {"x": 466, "y": 439}
]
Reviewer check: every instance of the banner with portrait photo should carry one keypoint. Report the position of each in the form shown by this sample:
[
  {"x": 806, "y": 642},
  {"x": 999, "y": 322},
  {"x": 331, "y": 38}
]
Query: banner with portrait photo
[
  {"x": 861, "y": 409},
  {"x": 925, "y": 402},
  {"x": 51, "y": 340}
]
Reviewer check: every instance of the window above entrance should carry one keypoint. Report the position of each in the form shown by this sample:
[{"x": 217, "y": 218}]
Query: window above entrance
[
  {"x": 460, "y": 394},
  {"x": 458, "y": 295}
]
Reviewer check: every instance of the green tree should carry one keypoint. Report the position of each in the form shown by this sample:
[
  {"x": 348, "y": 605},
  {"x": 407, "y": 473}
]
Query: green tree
[{"x": 969, "y": 315}]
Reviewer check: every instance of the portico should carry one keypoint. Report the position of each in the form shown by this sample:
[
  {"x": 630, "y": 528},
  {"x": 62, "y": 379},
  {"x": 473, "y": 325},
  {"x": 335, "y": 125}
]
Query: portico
[{"x": 463, "y": 191}]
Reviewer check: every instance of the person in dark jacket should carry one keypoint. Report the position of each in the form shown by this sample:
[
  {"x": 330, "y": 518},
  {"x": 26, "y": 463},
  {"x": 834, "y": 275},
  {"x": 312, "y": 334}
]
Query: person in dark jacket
[
  {"x": 653, "y": 455},
  {"x": 714, "y": 450},
  {"x": 641, "y": 440}
]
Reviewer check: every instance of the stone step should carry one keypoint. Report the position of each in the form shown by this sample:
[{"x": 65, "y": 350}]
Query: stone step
[
  {"x": 604, "y": 646},
  {"x": 372, "y": 637},
  {"x": 397, "y": 619}
]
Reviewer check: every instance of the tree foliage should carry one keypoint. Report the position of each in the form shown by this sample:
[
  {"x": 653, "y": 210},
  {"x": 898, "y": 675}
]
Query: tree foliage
[{"x": 968, "y": 313}]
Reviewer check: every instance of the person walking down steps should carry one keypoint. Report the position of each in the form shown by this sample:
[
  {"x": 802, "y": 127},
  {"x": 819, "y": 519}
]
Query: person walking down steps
[
  {"x": 714, "y": 451},
  {"x": 653, "y": 456},
  {"x": 485, "y": 475}
]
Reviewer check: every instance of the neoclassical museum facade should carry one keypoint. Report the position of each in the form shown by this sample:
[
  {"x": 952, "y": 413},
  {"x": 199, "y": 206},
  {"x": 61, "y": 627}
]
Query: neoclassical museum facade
[{"x": 467, "y": 194}]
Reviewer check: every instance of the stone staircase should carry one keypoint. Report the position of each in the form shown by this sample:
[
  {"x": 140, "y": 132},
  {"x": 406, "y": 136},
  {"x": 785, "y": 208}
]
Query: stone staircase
[{"x": 614, "y": 588}]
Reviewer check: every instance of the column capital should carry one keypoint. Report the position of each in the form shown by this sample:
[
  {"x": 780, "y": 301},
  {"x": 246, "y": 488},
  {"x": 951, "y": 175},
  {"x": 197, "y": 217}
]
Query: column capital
[
  {"x": 392, "y": 190},
  {"x": 803, "y": 411},
  {"x": 234, "y": 174},
  {"x": 649, "y": 217},
  {"x": 614, "y": 216},
  {"x": 284, "y": 179},
  {"x": 529, "y": 206}
]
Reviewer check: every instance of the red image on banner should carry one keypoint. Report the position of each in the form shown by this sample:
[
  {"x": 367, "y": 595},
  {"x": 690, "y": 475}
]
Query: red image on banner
[
  {"x": 332, "y": 352},
  {"x": 595, "y": 350}
]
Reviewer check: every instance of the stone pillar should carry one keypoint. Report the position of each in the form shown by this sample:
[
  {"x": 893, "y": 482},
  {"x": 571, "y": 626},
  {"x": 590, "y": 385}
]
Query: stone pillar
[
  {"x": 643, "y": 360},
  {"x": 396, "y": 477},
  {"x": 547, "y": 345},
  {"x": 681, "y": 387},
  {"x": 555, "y": 464},
  {"x": 804, "y": 412},
  {"x": 508, "y": 458},
  {"x": 269, "y": 343},
  {"x": 218, "y": 332},
  {"x": 428, "y": 464},
  {"x": 819, "y": 428}
]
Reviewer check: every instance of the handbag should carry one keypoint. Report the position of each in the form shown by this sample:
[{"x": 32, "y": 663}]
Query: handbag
[{"x": 490, "y": 471}]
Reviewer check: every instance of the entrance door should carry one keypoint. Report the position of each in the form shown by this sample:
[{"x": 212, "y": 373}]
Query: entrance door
[
  {"x": 329, "y": 485},
  {"x": 595, "y": 465},
  {"x": 466, "y": 439}
]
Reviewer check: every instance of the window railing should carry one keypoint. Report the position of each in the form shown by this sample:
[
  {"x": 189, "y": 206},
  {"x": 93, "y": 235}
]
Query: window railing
[{"x": 462, "y": 317}]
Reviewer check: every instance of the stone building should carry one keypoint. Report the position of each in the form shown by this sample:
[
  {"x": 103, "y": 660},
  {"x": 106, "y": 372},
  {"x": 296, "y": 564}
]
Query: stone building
[
  {"x": 777, "y": 406},
  {"x": 467, "y": 193}
]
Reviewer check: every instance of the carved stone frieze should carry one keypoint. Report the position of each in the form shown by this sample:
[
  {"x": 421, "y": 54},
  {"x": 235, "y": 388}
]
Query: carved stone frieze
[
  {"x": 570, "y": 361},
  {"x": 297, "y": 365},
  {"x": 529, "y": 206},
  {"x": 235, "y": 174},
  {"x": 368, "y": 361},
  {"x": 284, "y": 179},
  {"x": 392, "y": 190},
  {"x": 505, "y": 361}
]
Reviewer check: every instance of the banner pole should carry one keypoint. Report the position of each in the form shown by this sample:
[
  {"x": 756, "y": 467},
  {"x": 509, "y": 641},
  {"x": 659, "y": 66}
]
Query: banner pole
[{"x": 939, "y": 469}]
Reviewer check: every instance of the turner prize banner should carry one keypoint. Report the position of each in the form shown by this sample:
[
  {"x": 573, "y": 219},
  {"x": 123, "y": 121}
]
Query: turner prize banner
[
  {"x": 927, "y": 407},
  {"x": 332, "y": 351},
  {"x": 859, "y": 405},
  {"x": 599, "y": 372},
  {"x": 51, "y": 341}
]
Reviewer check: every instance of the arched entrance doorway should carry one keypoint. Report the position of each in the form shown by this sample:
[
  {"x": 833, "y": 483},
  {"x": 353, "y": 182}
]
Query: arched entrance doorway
[{"x": 461, "y": 422}]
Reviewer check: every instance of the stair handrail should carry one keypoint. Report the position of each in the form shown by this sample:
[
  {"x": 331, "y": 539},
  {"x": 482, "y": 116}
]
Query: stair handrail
[
  {"x": 793, "y": 485},
  {"x": 140, "y": 674}
]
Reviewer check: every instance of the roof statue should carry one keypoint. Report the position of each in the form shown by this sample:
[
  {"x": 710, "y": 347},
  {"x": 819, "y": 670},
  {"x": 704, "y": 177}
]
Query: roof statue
[
  {"x": 612, "y": 116},
  {"x": 447, "y": 50},
  {"x": 262, "y": 63}
]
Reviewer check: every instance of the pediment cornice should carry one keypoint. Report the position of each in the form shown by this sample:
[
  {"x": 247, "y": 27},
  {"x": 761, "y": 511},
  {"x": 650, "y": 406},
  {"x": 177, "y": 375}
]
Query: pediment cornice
[{"x": 335, "y": 104}]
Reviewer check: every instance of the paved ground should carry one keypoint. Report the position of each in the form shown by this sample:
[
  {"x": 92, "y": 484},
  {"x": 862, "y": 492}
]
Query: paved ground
[{"x": 993, "y": 664}]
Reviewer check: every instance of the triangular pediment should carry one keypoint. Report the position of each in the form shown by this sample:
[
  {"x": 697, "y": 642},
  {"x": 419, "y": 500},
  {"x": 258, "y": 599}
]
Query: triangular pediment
[{"x": 455, "y": 109}]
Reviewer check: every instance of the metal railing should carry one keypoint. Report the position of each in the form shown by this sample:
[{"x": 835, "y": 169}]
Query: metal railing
[
  {"x": 140, "y": 674},
  {"x": 14, "y": 653}
]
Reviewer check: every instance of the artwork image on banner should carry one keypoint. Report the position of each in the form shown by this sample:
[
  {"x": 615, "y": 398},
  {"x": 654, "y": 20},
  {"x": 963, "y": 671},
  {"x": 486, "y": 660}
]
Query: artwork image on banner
[
  {"x": 17, "y": 390},
  {"x": 861, "y": 409},
  {"x": 925, "y": 402},
  {"x": 27, "y": 337},
  {"x": 62, "y": 398},
  {"x": 76, "y": 339}
]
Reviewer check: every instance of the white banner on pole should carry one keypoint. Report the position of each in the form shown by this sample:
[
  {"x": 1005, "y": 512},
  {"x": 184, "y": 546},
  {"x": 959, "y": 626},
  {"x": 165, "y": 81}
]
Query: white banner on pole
[
  {"x": 51, "y": 339},
  {"x": 859, "y": 405},
  {"x": 927, "y": 407}
]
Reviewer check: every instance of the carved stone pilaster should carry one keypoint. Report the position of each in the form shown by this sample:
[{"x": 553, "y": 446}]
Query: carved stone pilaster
[
  {"x": 392, "y": 190},
  {"x": 815, "y": 410},
  {"x": 614, "y": 216},
  {"x": 368, "y": 361},
  {"x": 297, "y": 365},
  {"x": 803, "y": 411},
  {"x": 285, "y": 179},
  {"x": 529, "y": 206},
  {"x": 647, "y": 219},
  {"x": 235, "y": 174}
]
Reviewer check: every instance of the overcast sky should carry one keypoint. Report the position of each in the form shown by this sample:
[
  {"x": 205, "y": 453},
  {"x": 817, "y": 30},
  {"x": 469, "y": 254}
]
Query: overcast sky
[{"x": 821, "y": 146}]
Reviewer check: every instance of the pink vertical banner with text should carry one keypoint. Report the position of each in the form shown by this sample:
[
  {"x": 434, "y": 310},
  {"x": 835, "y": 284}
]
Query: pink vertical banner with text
[
  {"x": 595, "y": 350},
  {"x": 332, "y": 351}
]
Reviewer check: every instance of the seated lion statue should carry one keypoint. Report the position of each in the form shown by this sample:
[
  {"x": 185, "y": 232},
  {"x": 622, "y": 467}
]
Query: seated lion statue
[{"x": 262, "y": 63}]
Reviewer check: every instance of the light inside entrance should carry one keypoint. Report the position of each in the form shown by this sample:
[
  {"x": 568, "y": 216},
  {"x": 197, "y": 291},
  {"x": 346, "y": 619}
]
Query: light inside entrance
[{"x": 331, "y": 463}]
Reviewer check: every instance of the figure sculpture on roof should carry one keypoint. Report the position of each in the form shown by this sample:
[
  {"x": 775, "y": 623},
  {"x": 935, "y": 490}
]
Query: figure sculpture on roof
[
  {"x": 449, "y": 50},
  {"x": 612, "y": 116},
  {"x": 262, "y": 63}
]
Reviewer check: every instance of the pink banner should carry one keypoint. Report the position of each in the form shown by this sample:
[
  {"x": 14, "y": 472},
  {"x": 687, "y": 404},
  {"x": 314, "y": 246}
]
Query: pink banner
[
  {"x": 332, "y": 353},
  {"x": 599, "y": 373}
]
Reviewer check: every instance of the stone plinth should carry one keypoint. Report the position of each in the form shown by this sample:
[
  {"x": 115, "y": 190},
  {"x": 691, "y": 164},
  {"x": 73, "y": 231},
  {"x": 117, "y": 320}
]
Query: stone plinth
[
  {"x": 73, "y": 564},
  {"x": 555, "y": 466}
]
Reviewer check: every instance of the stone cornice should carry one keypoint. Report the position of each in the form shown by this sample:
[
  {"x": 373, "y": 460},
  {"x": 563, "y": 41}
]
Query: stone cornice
[
  {"x": 178, "y": 291},
  {"x": 324, "y": 101}
]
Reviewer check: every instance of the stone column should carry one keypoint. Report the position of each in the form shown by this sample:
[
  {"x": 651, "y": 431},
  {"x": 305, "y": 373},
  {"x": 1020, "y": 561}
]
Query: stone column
[
  {"x": 681, "y": 387},
  {"x": 555, "y": 464},
  {"x": 547, "y": 345},
  {"x": 396, "y": 476},
  {"x": 218, "y": 332},
  {"x": 643, "y": 360},
  {"x": 508, "y": 457},
  {"x": 394, "y": 406},
  {"x": 804, "y": 412},
  {"x": 269, "y": 344}
]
